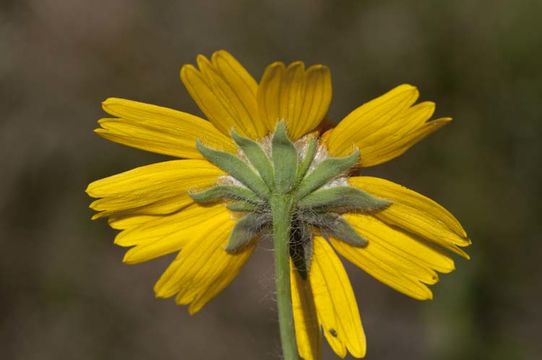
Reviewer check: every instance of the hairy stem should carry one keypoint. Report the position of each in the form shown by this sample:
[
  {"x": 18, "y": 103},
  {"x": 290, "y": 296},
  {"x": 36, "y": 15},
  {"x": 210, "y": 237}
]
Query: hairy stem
[{"x": 281, "y": 208}]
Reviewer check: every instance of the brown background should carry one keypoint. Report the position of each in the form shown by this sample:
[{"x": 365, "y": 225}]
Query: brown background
[{"x": 64, "y": 293}]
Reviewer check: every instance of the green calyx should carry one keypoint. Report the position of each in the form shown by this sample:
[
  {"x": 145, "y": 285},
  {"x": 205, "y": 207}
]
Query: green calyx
[
  {"x": 342, "y": 199},
  {"x": 314, "y": 186}
]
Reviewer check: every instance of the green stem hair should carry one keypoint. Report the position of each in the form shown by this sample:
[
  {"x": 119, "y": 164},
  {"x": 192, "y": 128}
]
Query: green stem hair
[{"x": 281, "y": 209}]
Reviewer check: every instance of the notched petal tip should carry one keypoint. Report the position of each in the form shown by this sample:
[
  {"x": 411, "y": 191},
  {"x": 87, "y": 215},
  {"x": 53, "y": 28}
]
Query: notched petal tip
[
  {"x": 321, "y": 72},
  {"x": 193, "y": 310},
  {"x": 95, "y": 216},
  {"x": 131, "y": 259},
  {"x": 102, "y": 132},
  {"x": 202, "y": 60},
  {"x": 318, "y": 67},
  {"x": 161, "y": 291},
  {"x": 406, "y": 87},
  {"x": 110, "y": 101},
  {"x": 296, "y": 66},
  {"x": 116, "y": 106},
  {"x": 95, "y": 205},
  {"x": 89, "y": 191},
  {"x": 186, "y": 71},
  {"x": 101, "y": 122},
  {"x": 273, "y": 69},
  {"x": 222, "y": 53}
]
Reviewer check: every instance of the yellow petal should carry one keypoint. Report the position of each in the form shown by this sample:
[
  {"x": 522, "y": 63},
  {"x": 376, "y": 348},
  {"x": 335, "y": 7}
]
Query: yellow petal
[
  {"x": 378, "y": 233},
  {"x": 167, "y": 234},
  {"x": 123, "y": 222},
  {"x": 397, "y": 144},
  {"x": 158, "y": 129},
  {"x": 307, "y": 328},
  {"x": 226, "y": 93},
  {"x": 385, "y": 127},
  {"x": 336, "y": 305},
  {"x": 400, "y": 250},
  {"x": 160, "y": 188},
  {"x": 203, "y": 268},
  {"x": 415, "y": 213},
  {"x": 122, "y": 210},
  {"x": 297, "y": 96},
  {"x": 382, "y": 269}
]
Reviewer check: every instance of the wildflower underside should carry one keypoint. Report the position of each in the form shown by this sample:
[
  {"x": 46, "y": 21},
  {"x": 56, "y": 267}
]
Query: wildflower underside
[
  {"x": 260, "y": 168},
  {"x": 316, "y": 193}
]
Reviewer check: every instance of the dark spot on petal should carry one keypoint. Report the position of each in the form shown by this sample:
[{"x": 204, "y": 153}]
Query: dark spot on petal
[{"x": 333, "y": 332}]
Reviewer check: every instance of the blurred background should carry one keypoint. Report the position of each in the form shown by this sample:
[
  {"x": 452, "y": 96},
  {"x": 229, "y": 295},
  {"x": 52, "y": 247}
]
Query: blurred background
[{"x": 64, "y": 292}]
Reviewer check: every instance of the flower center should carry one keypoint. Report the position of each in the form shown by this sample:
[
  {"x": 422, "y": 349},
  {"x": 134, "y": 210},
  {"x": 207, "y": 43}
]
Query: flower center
[{"x": 314, "y": 183}]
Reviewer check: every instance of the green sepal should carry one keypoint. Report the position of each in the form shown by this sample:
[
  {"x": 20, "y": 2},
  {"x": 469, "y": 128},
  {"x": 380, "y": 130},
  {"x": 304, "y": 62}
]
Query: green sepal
[
  {"x": 331, "y": 224},
  {"x": 256, "y": 155},
  {"x": 235, "y": 168},
  {"x": 246, "y": 230},
  {"x": 301, "y": 248},
  {"x": 342, "y": 199},
  {"x": 225, "y": 192},
  {"x": 242, "y": 206},
  {"x": 325, "y": 172},
  {"x": 284, "y": 156},
  {"x": 304, "y": 165}
]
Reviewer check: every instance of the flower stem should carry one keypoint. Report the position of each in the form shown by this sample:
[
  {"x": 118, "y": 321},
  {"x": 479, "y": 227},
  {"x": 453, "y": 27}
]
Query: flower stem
[{"x": 281, "y": 209}]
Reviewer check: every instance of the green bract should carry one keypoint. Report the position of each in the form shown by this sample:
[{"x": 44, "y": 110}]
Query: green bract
[{"x": 259, "y": 174}]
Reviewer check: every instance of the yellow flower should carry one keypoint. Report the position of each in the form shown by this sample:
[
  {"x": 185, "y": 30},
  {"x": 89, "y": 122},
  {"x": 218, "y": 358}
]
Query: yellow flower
[{"x": 212, "y": 206}]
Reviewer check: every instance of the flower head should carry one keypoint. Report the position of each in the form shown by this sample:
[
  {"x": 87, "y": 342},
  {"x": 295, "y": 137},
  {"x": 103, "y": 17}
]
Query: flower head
[{"x": 260, "y": 166}]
